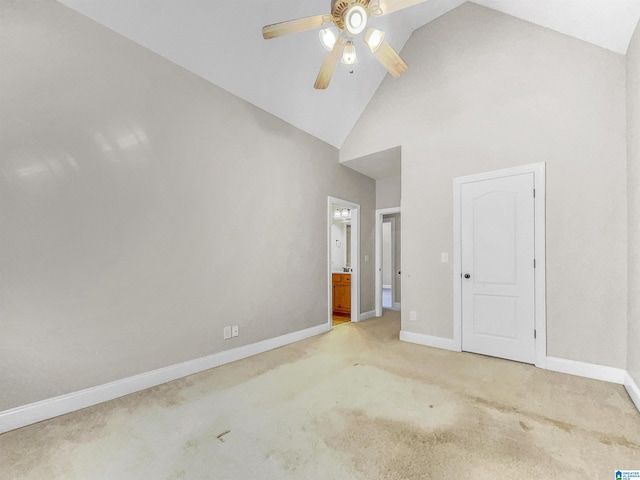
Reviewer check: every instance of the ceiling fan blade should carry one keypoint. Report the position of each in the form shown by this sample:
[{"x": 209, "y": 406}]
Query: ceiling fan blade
[
  {"x": 386, "y": 55},
  {"x": 329, "y": 65},
  {"x": 293, "y": 26},
  {"x": 383, "y": 7}
]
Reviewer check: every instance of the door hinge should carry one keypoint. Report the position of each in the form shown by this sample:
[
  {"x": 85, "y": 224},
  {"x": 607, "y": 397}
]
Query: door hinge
[
  {"x": 534, "y": 193},
  {"x": 535, "y": 333},
  {"x": 534, "y": 263}
]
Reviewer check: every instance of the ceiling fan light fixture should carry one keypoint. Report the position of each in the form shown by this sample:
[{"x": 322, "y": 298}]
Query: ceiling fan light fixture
[
  {"x": 327, "y": 38},
  {"x": 349, "y": 56},
  {"x": 355, "y": 19},
  {"x": 373, "y": 38}
]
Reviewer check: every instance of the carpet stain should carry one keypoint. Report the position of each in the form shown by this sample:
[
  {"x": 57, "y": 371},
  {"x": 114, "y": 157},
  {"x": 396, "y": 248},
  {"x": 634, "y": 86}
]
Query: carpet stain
[
  {"x": 384, "y": 448},
  {"x": 524, "y": 426},
  {"x": 304, "y": 412},
  {"x": 564, "y": 426}
]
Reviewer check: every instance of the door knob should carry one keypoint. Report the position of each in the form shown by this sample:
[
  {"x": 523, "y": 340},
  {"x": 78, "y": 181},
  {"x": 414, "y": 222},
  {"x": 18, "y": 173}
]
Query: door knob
[{"x": 466, "y": 275}]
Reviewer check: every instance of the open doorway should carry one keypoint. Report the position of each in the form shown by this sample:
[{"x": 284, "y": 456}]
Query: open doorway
[
  {"x": 343, "y": 264},
  {"x": 388, "y": 260}
]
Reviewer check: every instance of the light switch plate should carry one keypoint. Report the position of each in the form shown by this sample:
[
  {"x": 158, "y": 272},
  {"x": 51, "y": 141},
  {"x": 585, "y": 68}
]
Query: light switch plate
[
  {"x": 227, "y": 333},
  {"x": 444, "y": 257}
]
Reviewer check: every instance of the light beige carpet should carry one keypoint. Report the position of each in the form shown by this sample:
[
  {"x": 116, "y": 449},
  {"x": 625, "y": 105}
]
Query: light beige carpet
[{"x": 355, "y": 403}]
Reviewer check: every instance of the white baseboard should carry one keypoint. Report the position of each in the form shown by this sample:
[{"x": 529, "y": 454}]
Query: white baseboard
[
  {"x": 632, "y": 390},
  {"x": 429, "y": 341},
  {"x": 587, "y": 370},
  {"x": 396, "y": 305},
  {"x": 53, "y": 407},
  {"x": 367, "y": 315}
]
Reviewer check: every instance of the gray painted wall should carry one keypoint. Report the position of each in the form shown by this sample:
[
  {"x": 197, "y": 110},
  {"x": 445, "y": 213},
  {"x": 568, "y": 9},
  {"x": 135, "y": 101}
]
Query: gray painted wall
[
  {"x": 143, "y": 209},
  {"x": 388, "y": 195},
  {"x": 388, "y": 192},
  {"x": 633, "y": 186},
  {"x": 486, "y": 91}
]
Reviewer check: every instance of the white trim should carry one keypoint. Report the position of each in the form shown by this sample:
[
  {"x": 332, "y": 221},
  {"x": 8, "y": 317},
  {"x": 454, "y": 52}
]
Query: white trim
[
  {"x": 538, "y": 170},
  {"x": 561, "y": 365},
  {"x": 380, "y": 213},
  {"x": 367, "y": 315},
  {"x": 430, "y": 341},
  {"x": 53, "y": 407},
  {"x": 540, "y": 184},
  {"x": 355, "y": 258},
  {"x": 632, "y": 390},
  {"x": 388, "y": 287},
  {"x": 587, "y": 370},
  {"x": 397, "y": 305}
]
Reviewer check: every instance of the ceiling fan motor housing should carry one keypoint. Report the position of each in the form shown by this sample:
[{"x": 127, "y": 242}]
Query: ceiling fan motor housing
[{"x": 340, "y": 7}]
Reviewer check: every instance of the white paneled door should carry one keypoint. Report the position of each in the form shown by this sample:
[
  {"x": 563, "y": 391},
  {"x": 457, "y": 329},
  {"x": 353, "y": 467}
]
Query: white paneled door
[{"x": 497, "y": 260}]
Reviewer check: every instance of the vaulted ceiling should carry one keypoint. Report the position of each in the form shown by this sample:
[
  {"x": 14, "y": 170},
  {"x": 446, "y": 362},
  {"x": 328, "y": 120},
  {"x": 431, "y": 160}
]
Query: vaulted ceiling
[{"x": 222, "y": 42}]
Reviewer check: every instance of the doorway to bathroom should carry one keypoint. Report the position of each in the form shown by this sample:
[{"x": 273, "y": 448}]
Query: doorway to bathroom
[{"x": 343, "y": 261}]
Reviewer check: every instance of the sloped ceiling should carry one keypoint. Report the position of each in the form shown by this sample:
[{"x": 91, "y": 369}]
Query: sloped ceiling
[{"x": 222, "y": 42}]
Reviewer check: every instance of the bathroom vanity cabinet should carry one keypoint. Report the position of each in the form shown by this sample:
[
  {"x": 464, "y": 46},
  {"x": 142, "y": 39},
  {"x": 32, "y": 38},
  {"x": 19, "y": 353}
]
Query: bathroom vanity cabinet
[{"x": 341, "y": 293}]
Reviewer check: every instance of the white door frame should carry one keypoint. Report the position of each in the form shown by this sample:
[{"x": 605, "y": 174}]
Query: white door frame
[
  {"x": 540, "y": 314},
  {"x": 355, "y": 257},
  {"x": 381, "y": 212}
]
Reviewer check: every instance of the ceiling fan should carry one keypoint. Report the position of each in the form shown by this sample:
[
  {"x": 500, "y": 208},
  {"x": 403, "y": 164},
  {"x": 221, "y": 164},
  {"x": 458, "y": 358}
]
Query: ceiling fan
[{"x": 350, "y": 17}]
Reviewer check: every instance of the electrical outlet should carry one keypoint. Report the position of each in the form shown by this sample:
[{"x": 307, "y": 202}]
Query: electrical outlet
[
  {"x": 412, "y": 315},
  {"x": 235, "y": 331},
  {"x": 227, "y": 333}
]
